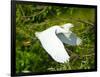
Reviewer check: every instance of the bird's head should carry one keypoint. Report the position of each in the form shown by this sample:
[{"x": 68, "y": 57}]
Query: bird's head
[
  {"x": 37, "y": 34},
  {"x": 67, "y": 26}
]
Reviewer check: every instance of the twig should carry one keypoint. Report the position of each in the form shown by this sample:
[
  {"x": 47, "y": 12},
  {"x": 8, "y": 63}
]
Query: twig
[
  {"x": 79, "y": 20},
  {"x": 76, "y": 56},
  {"x": 36, "y": 14},
  {"x": 76, "y": 19},
  {"x": 88, "y": 55},
  {"x": 23, "y": 14},
  {"x": 82, "y": 21}
]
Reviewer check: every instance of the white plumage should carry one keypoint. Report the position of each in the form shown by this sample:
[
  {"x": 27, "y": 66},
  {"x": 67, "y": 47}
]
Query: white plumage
[{"x": 52, "y": 40}]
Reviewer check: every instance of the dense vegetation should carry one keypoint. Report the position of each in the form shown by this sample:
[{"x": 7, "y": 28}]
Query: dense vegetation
[{"x": 30, "y": 56}]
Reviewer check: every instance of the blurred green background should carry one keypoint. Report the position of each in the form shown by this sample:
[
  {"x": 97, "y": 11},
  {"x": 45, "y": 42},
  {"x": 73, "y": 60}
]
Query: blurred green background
[{"x": 30, "y": 55}]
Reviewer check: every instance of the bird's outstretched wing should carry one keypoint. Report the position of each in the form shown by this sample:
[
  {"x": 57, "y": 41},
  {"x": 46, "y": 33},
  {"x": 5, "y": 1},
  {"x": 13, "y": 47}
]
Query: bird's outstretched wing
[
  {"x": 69, "y": 38},
  {"x": 53, "y": 45}
]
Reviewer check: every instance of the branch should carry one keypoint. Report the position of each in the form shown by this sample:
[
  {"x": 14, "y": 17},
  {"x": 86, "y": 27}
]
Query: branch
[
  {"x": 76, "y": 19},
  {"x": 23, "y": 14},
  {"x": 82, "y": 21},
  {"x": 79, "y": 20},
  {"x": 75, "y": 56},
  {"x": 36, "y": 14}
]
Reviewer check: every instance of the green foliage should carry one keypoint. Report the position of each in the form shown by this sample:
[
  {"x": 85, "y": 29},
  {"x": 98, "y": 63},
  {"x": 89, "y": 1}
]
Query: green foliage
[{"x": 30, "y": 55}]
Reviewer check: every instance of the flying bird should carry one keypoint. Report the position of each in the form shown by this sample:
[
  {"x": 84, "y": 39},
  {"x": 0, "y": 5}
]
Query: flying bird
[{"x": 52, "y": 40}]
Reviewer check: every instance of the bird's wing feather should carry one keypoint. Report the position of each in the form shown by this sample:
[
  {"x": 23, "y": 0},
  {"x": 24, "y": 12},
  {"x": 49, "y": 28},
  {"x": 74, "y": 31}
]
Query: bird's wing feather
[
  {"x": 69, "y": 38},
  {"x": 54, "y": 46}
]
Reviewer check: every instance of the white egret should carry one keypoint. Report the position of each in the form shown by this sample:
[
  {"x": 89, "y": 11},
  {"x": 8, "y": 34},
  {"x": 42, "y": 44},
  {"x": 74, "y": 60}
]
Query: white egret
[{"x": 52, "y": 40}]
